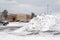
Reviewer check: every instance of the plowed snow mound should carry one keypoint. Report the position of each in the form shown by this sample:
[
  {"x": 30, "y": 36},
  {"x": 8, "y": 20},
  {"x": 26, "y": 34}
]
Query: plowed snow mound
[{"x": 39, "y": 23}]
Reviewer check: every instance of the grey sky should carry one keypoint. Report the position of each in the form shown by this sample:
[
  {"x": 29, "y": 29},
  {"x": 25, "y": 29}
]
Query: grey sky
[{"x": 28, "y": 6}]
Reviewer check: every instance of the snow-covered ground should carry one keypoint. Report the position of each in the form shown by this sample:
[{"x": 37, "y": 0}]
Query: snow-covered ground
[
  {"x": 14, "y": 24},
  {"x": 11, "y": 26},
  {"x": 5, "y": 36},
  {"x": 46, "y": 27}
]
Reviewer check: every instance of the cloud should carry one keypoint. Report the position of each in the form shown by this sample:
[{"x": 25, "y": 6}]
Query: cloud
[
  {"x": 15, "y": 7},
  {"x": 28, "y": 6}
]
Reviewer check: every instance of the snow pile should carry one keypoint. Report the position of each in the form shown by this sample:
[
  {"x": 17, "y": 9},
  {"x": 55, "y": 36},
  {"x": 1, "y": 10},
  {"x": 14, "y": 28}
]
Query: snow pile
[
  {"x": 43, "y": 23},
  {"x": 37, "y": 24}
]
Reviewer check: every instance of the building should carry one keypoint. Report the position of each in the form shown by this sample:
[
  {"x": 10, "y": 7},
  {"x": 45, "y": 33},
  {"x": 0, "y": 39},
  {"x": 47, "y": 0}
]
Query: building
[{"x": 21, "y": 17}]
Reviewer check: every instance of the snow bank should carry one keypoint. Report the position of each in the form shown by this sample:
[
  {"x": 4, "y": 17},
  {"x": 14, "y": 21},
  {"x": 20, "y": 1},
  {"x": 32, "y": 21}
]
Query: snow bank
[
  {"x": 37, "y": 24},
  {"x": 43, "y": 23}
]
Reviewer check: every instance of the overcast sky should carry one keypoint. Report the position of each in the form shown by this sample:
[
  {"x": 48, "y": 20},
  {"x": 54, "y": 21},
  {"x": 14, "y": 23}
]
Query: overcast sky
[{"x": 28, "y": 6}]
